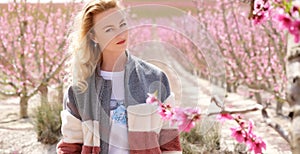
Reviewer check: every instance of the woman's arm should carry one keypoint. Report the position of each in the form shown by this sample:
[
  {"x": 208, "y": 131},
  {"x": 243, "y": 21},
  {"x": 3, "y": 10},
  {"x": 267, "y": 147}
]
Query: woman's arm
[{"x": 71, "y": 129}]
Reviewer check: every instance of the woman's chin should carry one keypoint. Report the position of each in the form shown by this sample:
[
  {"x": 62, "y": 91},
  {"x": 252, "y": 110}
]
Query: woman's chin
[{"x": 115, "y": 50}]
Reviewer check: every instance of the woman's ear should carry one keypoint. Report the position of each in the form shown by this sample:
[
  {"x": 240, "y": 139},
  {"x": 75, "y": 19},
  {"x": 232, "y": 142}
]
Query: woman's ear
[{"x": 92, "y": 36}]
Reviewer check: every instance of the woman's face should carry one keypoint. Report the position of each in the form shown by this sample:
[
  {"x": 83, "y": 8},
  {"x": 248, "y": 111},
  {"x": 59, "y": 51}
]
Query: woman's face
[{"x": 110, "y": 30}]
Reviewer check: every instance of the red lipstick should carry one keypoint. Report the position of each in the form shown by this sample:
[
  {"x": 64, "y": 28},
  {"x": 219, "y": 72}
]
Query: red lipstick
[{"x": 121, "y": 42}]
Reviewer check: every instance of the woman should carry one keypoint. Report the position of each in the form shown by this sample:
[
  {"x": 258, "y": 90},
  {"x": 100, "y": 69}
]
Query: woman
[{"x": 104, "y": 109}]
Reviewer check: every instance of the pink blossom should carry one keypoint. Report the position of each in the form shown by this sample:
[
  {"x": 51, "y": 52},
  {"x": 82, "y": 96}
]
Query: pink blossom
[
  {"x": 256, "y": 145},
  {"x": 152, "y": 99},
  {"x": 186, "y": 118},
  {"x": 166, "y": 111},
  {"x": 186, "y": 125},
  {"x": 295, "y": 11},
  {"x": 285, "y": 21},
  {"x": 11, "y": 7},
  {"x": 294, "y": 29},
  {"x": 250, "y": 126},
  {"x": 261, "y": 11},
  {"x": 238, "y": 133},
  {"x": 259, "y": 17},
  {"x": 224, "y": 116},
  {"x": 258, "y": 5}
]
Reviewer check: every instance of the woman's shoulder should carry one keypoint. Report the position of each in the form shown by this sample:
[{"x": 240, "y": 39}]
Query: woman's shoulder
[
  {"x": 152, "y": 77},
  {"x": 146, "y": 67}
]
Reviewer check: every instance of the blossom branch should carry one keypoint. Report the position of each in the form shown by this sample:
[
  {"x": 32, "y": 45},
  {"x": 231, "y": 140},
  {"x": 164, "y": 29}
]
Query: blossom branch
[
  {"x": 278, "y": 128},
  {"x": 11, "y": 84},
  {"x": 185, "y": 118}
]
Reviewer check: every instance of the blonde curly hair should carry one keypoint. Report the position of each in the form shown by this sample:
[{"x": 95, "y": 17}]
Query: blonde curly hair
[{"x": 84, "y": 53}]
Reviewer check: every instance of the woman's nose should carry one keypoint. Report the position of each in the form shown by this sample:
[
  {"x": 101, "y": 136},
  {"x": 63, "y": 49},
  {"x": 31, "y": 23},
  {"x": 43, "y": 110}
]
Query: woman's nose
[{"x": 121, "y": 33}]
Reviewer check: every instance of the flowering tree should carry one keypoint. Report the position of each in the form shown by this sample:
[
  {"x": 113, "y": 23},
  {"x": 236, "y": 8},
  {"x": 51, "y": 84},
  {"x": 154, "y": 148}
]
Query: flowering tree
[
  {"x": 254, "y": 54},
  {"x": 286, "y": 12},
  {"x": 32, "y": 49}
]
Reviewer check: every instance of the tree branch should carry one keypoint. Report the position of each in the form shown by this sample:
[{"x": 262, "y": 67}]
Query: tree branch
[
  {"x": 278, "y": 128},
  {"x": 9, "y": 84},
  {"x": 47, "y": 79},
  {"x": 9, "y": 94},
  {"x": 218, "y": 102}
]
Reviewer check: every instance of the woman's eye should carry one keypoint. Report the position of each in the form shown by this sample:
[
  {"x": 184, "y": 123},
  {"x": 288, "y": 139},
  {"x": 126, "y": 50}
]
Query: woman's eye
[
  {"x": 123, "y": 24},
  {"x": 108, "y": 30}
]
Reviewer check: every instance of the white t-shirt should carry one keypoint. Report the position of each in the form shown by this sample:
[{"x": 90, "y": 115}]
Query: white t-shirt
[{"x": 118, "y": 143}]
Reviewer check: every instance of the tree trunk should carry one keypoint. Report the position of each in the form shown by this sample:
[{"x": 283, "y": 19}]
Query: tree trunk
[
  {"x": 234, "y": 87},
  {"x": 24, "y": 107},
  {"x": 293, "y": 91},
  {"x": 295, "y": 131},
  {"x": 228, "y": 87},
  {"x": 60, "y": 93},
  {"x": 214, "y": 80},
  {"x": 223, "y": 84},
  {"x": 279, "y": 105},
  {"x": 278, "y": 108},
  {"x": 258, "y": 97},
  {"x": 44, "y": 93}
]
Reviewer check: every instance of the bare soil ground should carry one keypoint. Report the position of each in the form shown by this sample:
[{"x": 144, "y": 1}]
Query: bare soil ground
[{"x": 17, "y": 135}]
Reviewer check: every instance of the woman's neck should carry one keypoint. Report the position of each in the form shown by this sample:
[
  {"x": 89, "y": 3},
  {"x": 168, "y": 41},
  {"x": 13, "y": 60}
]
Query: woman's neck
[{"x": 113, "y": 62}]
